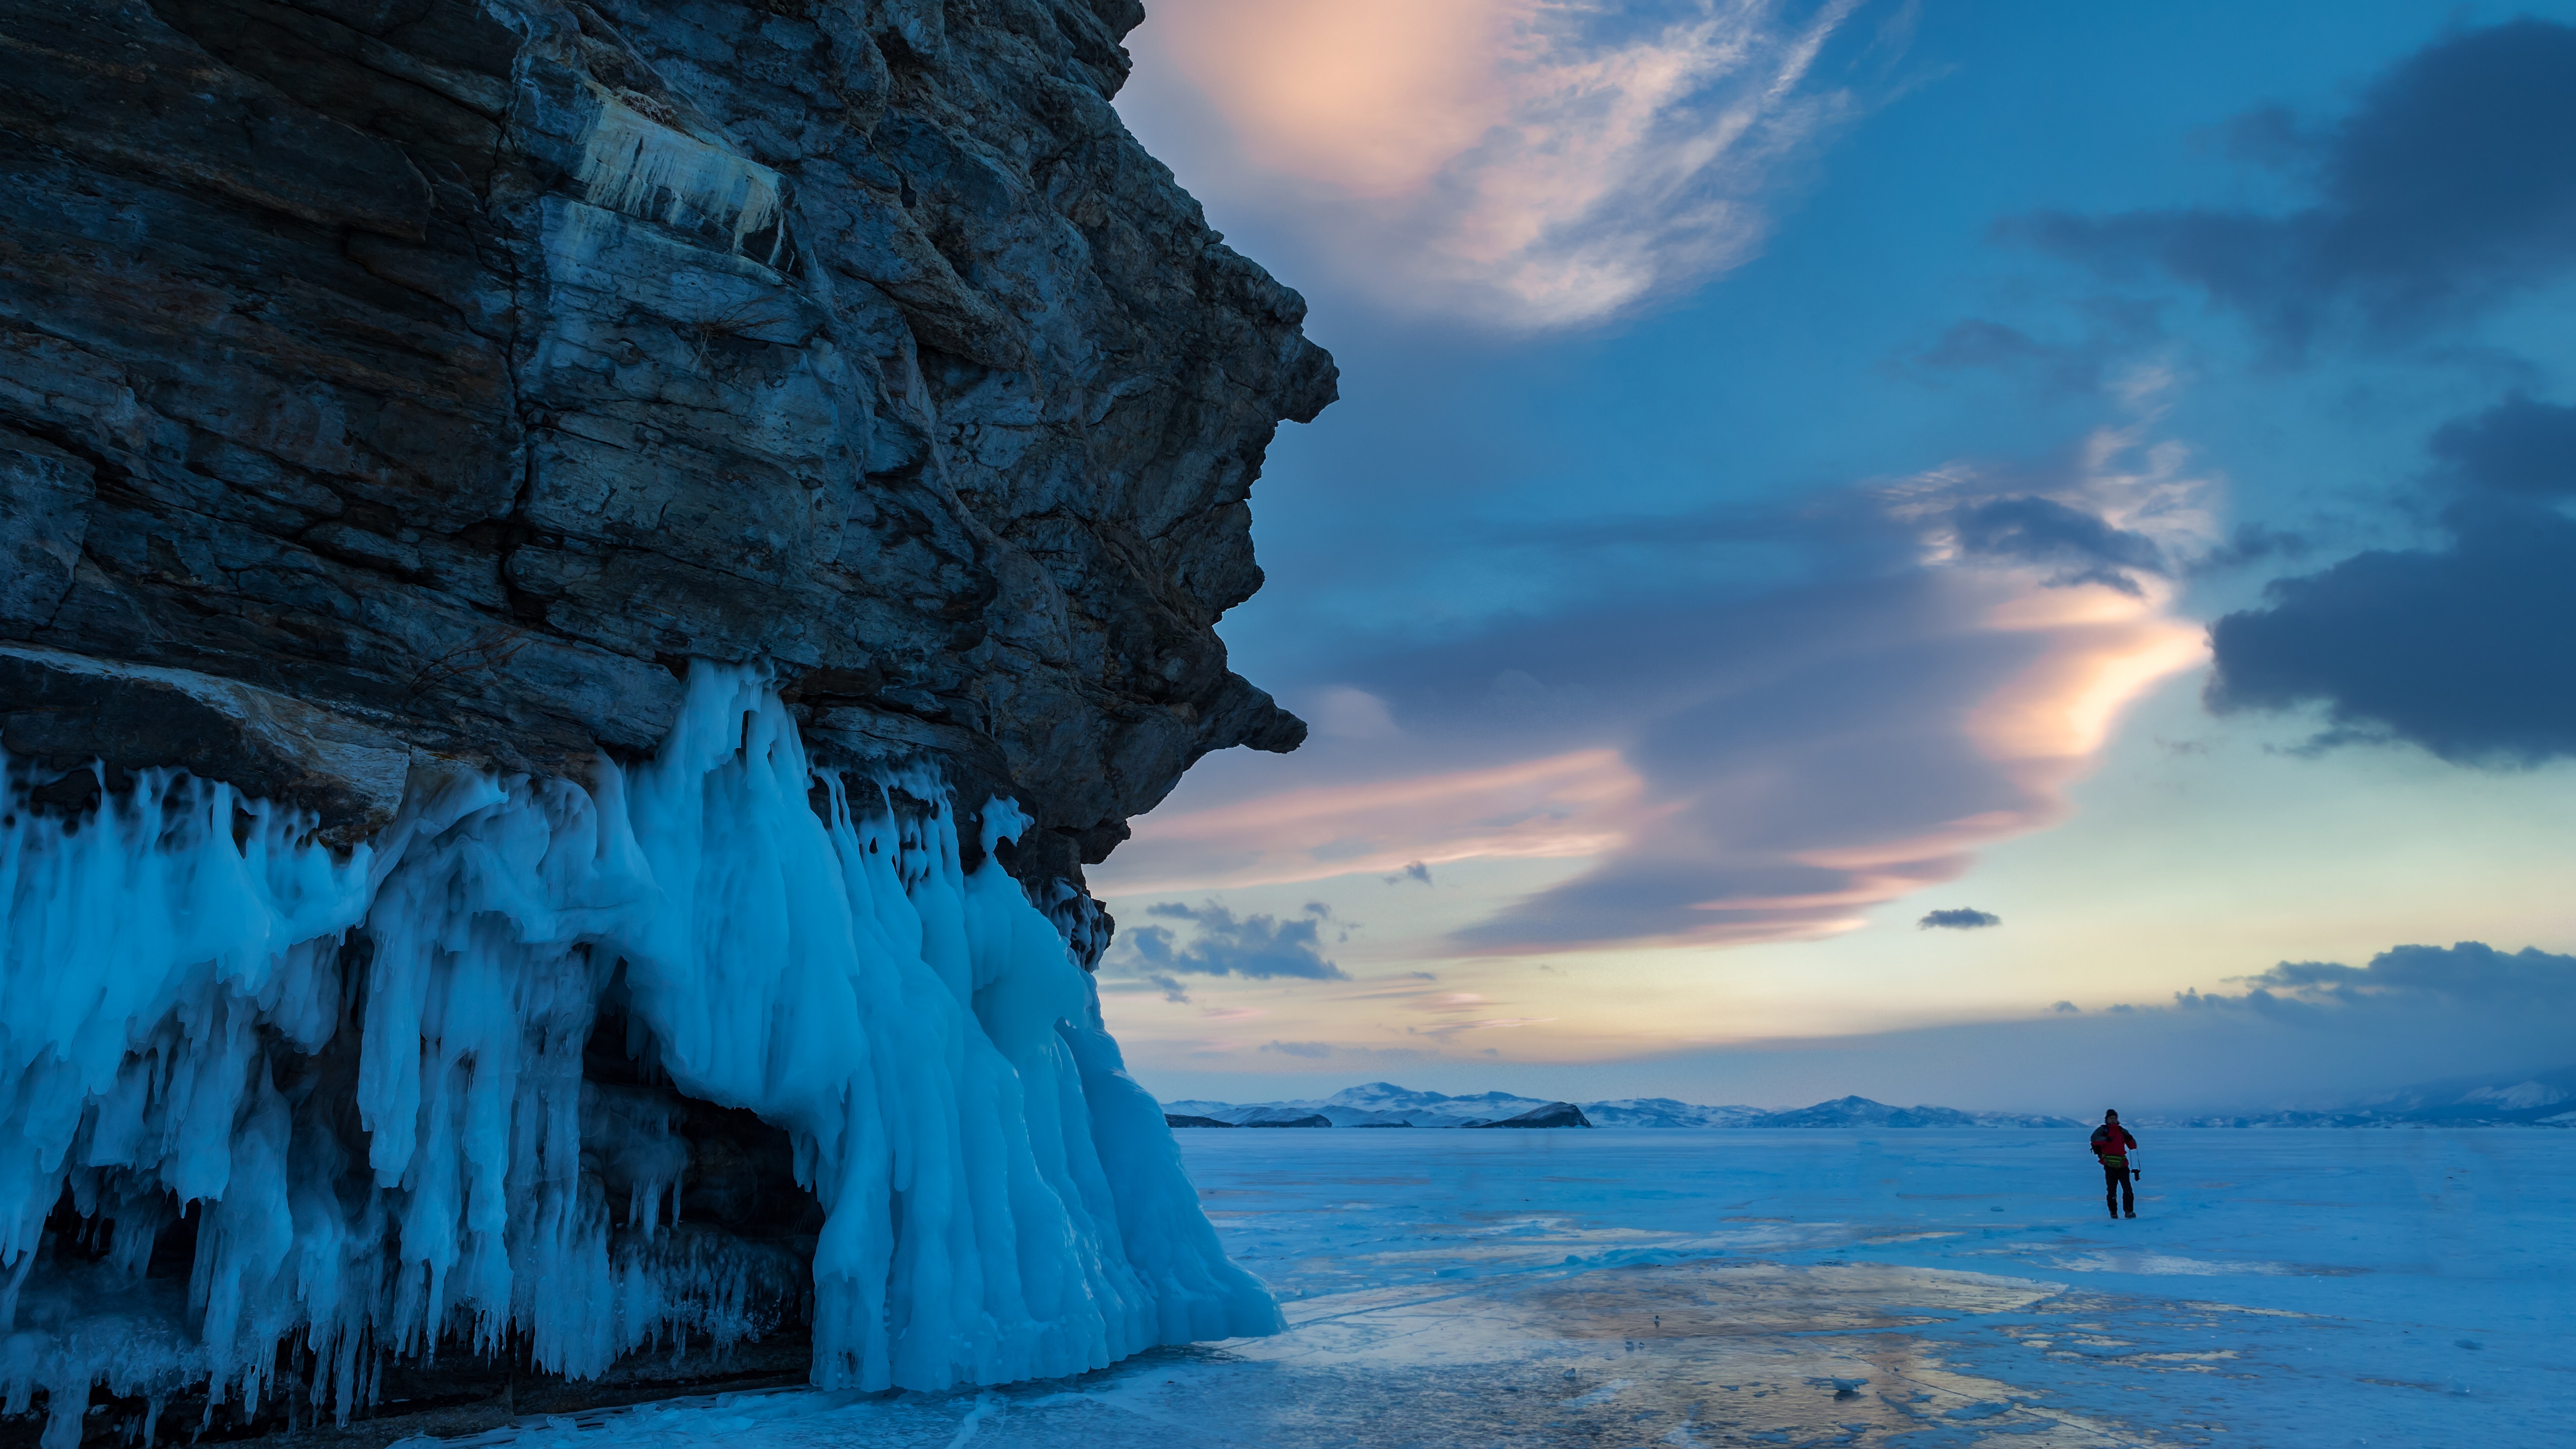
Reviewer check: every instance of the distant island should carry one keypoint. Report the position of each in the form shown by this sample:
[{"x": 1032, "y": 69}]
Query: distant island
[{"x": 2542, "y": 1099}]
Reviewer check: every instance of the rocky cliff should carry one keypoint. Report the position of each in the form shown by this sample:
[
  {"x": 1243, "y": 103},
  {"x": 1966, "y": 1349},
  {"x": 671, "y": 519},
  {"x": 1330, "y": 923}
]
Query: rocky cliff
[
  {"x": 389, "y": 378},
  {"x": 415, "y": 413}
]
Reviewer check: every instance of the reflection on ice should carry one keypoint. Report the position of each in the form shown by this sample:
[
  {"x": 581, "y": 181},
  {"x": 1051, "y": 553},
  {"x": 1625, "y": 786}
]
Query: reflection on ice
[{"x": 1637, "y": 1288}]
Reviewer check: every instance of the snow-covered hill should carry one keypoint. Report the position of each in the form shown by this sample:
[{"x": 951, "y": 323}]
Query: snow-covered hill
[
  {"x": 2543, "y": 1099},
  {"x": 1384, "y": 1104},
  {"x": 1377, "y": 1104},
  {"x": 1862, "y": 1112},
  {"x": 2539, "y": 1099}
]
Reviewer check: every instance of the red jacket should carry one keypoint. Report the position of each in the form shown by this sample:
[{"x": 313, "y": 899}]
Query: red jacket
[{"x": 2113, "y": 1140}]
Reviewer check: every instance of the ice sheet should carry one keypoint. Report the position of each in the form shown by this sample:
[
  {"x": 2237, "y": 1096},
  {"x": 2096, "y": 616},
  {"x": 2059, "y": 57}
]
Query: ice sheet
[{"x": 1902, "y": 1288}]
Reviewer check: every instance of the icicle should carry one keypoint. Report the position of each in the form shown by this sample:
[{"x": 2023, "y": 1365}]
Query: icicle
[
  {"x": 628, "y": 159},
  {"x": 1001, "y": 1201}
]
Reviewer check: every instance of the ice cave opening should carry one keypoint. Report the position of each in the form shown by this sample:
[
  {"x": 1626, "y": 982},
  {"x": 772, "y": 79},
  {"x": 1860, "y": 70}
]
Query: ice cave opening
[{"x": 725, "y": 1052}]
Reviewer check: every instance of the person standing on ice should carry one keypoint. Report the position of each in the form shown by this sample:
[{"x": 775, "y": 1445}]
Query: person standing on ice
[{"x": 2113, "y": 1144}]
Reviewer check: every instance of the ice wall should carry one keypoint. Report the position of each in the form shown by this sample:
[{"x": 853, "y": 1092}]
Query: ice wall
[{"x": 358, "y": 1082}]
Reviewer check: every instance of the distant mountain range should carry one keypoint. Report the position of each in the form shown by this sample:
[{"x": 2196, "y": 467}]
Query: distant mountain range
[
  {"x": 2544, "y": 1099},
  {"x": 1384, "y": 1104}
]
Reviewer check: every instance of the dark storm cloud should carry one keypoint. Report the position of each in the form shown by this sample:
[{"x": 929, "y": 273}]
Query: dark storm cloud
[
  {"x": 1962, "y": 919},
  {"x": 2043, "y": 531},
  {"x": 2517, "y": 447},
  {"x": 1260, "y": 947},
  {"x": 2463, "y": 650},
  {"x": 2450, "y": 186}
]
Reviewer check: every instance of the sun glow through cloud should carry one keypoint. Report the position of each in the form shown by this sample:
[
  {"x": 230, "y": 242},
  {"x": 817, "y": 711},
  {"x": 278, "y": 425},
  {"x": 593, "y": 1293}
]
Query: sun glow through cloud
[{"x": 2057, "y": 599}]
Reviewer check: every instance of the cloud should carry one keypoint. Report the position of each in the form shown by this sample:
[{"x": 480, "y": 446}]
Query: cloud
[
  {"x": 2084, "y": 548},
  {"x": 1258, "y": 947},
  {"x": 1999, "y": 347},
  {"x": 2251, "y": 543},
  {"x": 1414, "y": 871},
  {"x": 1524, "y": 163},
  {"x": 1448, "y": 1001},
  {"x": 2470, "y": 973},
  {"x": 2106, "y": 329},
  {"x": 2458, "y": 648},
  {"x": 2518, "y": 447},
  {"x": 1752, "y": 763},
  {"x": 1962, "y": 919},
  {"x": 2462, "y": 650},
  {"x": 1351, "y": 713},
  {"x": 1823, "y": 750},
  {"x": 1310, "y": 1049},
  {"x": 1555, "y": 806},
  {"x": 2302, "y": 1034},
  {"x": 1447, "y": 1029},
  {"x": 2446, "y": 190}
]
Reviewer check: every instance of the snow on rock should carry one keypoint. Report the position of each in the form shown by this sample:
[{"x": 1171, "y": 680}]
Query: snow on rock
[
  {"x": 357, "y": 1080},
  {"x": 2520, "y": 1095}
]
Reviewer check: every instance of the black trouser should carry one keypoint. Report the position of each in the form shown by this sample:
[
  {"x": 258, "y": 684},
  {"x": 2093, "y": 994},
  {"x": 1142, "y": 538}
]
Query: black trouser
[{"x": 2115, "y": 1185}]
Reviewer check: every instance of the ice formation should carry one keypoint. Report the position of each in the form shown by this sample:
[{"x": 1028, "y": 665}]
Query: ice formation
[
  {"x": 629, "y": 160},
  {"x": 358, "y": 1082}
]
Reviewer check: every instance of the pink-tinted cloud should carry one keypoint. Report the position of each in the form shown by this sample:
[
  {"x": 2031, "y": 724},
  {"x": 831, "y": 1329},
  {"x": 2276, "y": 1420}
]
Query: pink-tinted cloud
[
  {"x": 1448, "y": 1001},
  {"x": 1559, "y": 806},
  {"x": 1529, "y": 163},
  {"x": 1767, "y": 768}
]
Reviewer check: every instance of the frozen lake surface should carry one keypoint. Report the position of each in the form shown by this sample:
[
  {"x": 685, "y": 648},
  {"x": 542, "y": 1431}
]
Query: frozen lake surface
[{"x": 1922, "y": 1288}]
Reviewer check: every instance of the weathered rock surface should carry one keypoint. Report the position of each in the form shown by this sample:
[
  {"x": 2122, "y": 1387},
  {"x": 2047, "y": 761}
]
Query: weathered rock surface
[
  {"x": 398, "y": 389},
  {"x": 457, "y": 369}
]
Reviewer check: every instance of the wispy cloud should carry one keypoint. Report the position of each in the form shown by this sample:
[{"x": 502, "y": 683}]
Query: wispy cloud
[
  {"x": 1770, "y": 767},
  {"x": 1554, "y": 807},
  {"x": 1526, "y": 163}
]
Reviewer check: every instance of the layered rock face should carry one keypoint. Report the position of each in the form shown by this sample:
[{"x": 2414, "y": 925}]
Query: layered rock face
[
  {"x": 460, "y": 367},
  {"x": 463, "y": 463}
]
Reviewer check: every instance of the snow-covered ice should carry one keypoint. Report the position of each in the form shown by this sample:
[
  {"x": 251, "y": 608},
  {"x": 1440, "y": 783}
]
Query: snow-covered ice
[{"x": 1919, "y": 1288}]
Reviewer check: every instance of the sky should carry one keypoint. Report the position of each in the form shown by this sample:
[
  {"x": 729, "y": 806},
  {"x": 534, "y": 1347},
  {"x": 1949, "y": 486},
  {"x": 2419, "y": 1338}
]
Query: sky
[{"x": 1982, "y": 553}]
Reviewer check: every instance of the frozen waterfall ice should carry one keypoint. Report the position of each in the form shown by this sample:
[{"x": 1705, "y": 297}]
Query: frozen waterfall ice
[{"x": 355, "y": 1084}]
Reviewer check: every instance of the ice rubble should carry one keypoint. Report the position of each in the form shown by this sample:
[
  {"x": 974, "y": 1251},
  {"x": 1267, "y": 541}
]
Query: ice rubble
[{"x": 365, "y": 1074}]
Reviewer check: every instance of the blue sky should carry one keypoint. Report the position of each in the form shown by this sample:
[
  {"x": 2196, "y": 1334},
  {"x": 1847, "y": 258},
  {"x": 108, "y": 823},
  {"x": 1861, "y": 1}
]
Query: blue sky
[{"x": 1789, "y": 463}]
